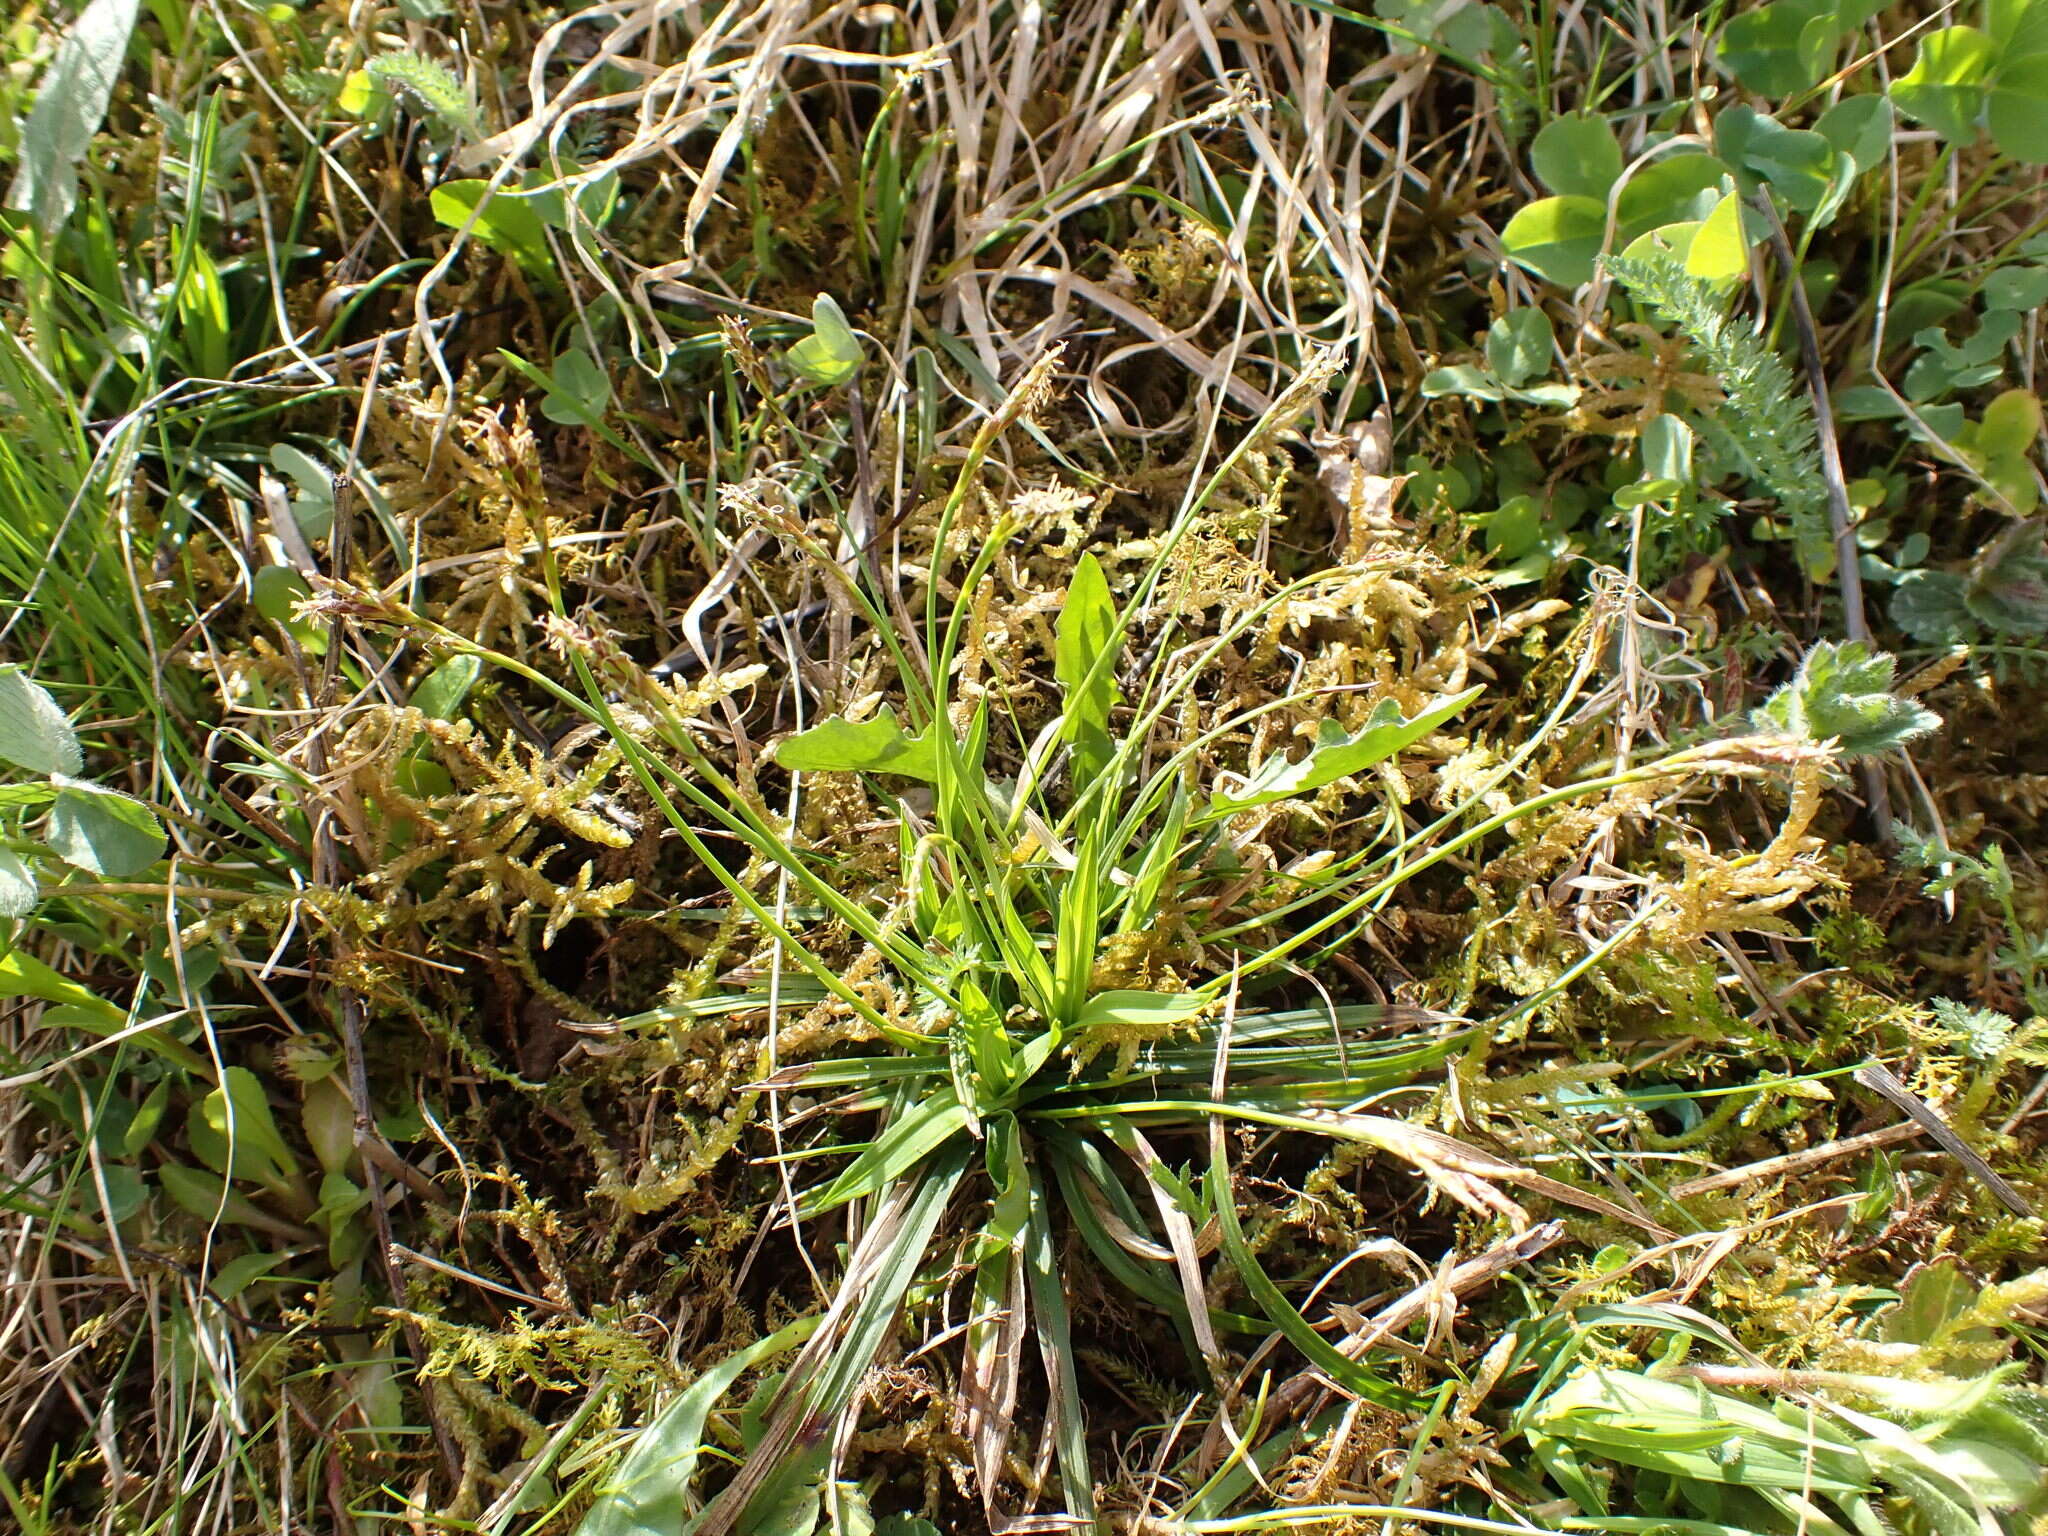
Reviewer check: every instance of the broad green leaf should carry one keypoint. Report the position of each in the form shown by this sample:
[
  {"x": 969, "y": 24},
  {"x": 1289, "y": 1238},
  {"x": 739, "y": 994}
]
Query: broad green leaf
[
  {"x": 1774, "y": 49},
  {"x": 70, "y": 105},
  {"x": 1669, "y": 191},
  {"x": 2017, "y": 28},
  {"x": 1667, "y": 449},
  {"x": 313, "y": 507},
  {"x": 1796, "y": 163},
  {"x": 508, "y": 223},
  {"x": 2017, "y": 108},
  {"x": 1557, "y": 238},
  {"x": 276, "y": 591},
  {"x": 2011, "y": 595},
  {"x": 441, "y": 692},
  {"x": 103, "y": 831},
  {"x": 17, "y": 886},
  {"x": 1860, "y": 127},
  {"x": 232, "y": 1129},
  {"x": 1719, "y": 252},
  {"x": 905, "y": 1525},
  {"x": 578, "y": 391},
  {"x": 1843, "y": 693},
  {"x": 1672, "y": 240},
  {"x": 870, "y": 746},
  {"x": 2010, "y": 424},
  {"x": 1085, "y": 667},
  {"x": 1577, "y": 156},
  {"x": 1518, "y": 345},
  {"x": 1463, "y": 379},
  {"x": 1945, "y": 87},
  {"x": 831, "y": 354},
  {"x": 34, "y": 733},
  {"x": 1337, "y": 754},
  {"x": 2016, "y": 288}
]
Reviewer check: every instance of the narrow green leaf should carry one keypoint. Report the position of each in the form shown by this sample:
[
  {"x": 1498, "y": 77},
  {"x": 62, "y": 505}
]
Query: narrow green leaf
[
  {"x": 909, "y": 1139},
  {"x": 1150, "y": 1010},
  {"x": 1082, "y": 662},
  {"x": 34, "y": 733},
  {"x": 1337, "y": 754},
  {"x": 648, "y": 1492}
]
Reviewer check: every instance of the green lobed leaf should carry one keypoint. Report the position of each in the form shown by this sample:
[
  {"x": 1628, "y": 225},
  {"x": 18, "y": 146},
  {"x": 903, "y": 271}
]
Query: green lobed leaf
[
  {"x": 1945, "y": 87},
  {"x": 1463, "y": 379},
  {"x": 34, "y": 732},
  {"x": 1860, "y": 127},
  {"x": 1337, "y": 754},
  {"x": 1775, "y": 50},
  {"x": 2016, "y": 288},
  {"x": 1577, "y": 156},
  {"x": 1843, "y": 693},
  {"x": 832, "y": 354},
  {"x": 578, "y": 391},
  {"x": 1796, "y": 163},
  {"x": 69, "y": 108},
  {"x": 1669, "y": 191},
  {"x": 2011, "y": 594},
  {"x": 1518, "y": 346},
  {"x": 103, "y": 831},
  {"x": 868, "y": 746}
]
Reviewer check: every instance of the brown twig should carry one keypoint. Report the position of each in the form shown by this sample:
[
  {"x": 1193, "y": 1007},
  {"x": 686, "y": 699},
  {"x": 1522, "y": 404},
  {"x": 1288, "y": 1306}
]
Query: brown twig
[{"x": 1879, "y": 1080}]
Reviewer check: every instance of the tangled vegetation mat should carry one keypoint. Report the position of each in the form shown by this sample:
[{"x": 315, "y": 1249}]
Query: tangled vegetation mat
[{"x": 1160, "y": 766}]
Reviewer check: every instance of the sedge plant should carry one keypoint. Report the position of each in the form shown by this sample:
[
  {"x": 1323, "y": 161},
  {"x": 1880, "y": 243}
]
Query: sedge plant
[{"x": 997, "y": 1080}]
